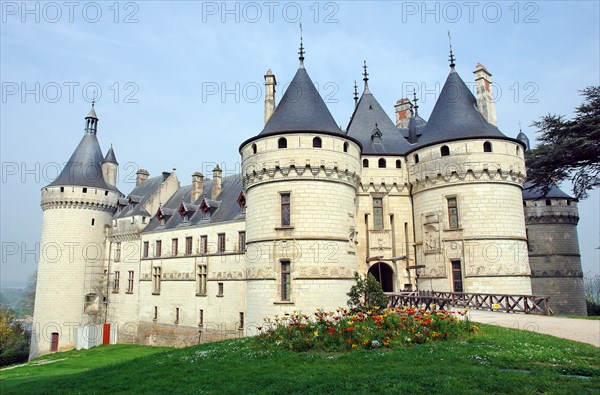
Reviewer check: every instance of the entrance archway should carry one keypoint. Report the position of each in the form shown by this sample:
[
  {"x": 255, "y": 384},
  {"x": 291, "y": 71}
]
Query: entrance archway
[{"x": 384, "y": 274}]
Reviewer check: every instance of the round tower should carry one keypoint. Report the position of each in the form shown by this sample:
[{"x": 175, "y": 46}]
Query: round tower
[
  {"x": 551, "y": 220},
  {"x": 77, "y": 209},
  {"x": 466, "y": 179},
  {"x": 300, "y": 177}
]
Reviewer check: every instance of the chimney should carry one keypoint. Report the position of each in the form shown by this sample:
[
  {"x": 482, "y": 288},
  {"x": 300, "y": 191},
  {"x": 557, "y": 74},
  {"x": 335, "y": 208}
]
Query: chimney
[
  {"x": 270, "y": 83},
  {"x": 197, "y": 184},
  {"x": 216, "y": 187},
  {"x": 141, "y": 177},
  {"x": 403, "y": 112},
  {"x": 485, "y": 99}
]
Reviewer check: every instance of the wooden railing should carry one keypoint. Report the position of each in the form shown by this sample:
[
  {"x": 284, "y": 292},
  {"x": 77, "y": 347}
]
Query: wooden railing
[{"x": 528, "y": 304}]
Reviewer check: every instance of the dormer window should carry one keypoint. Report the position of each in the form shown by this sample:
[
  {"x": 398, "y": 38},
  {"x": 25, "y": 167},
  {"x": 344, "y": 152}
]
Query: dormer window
[{"x": 241, "y": 200}]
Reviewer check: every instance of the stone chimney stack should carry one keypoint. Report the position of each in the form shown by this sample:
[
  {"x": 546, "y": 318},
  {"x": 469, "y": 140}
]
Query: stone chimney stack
[
  {"x": 141, "y": 177},
  {"x": 403, "y": 112},
  {"x": 485, "y": 98},
  {"x": 270, "y": 83},
  {"x": 197, "y": 185},
  {"x": 216, "y": 187}
]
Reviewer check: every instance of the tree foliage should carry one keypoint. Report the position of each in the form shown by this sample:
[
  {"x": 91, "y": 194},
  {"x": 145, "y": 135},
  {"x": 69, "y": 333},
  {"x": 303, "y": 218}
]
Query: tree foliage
[
  {"x": 14, "y": 340},
  {"x": 366, "y": 294},
  {"x": 569, "y": 149}
]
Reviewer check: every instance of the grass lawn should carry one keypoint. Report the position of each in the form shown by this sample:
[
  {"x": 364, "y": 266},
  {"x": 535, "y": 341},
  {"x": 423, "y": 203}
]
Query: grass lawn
[{"x": 495, "y": 360}]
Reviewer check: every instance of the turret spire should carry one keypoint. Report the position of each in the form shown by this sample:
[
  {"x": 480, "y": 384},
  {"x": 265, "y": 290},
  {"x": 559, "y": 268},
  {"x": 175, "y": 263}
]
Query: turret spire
[
  {"x": 451, "y": 59},
  {"x": 415, "y": 100},
  {"x": 91, "y": 120},
  {"x": 355, "y": 94},
  {"x": 366, "y": 77},
  {"x": 301, "y": 52}
]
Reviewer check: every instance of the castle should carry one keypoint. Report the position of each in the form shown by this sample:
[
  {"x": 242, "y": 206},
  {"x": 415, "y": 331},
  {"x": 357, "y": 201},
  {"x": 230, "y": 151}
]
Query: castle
[{"x": 436, "y": 204}]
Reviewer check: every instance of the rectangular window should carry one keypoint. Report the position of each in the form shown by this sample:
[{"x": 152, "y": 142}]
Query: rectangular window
[
  {"x": 201, "y": 280},
  {"x": 158, "y": 251},
  {"x": 117, "y": 251},
  {"x": 177, "y": 315},
  {"x": 285, "y": 281},
  {"x": 116, "y": 282},
  {"x": 203, "y": 244},
  {"x": 146, "y": 249},
  {"x": 130, "y": 282},
  {"x": 174, "y": 247},
  {"x": 242, "y": 241},
  {"x": 452, "y": 213},
  {"x": 241, "y": 320},
  {"x": 188, "y": 245},
  {"x": 221, "y": 242},
  {"x": 285, "y": 209},
  {"x": 156, "y": 272},
  {"x": 457, "y": 284},
  {"x": 155, "y": 316},
  {"x": 201, "y": 318},
  {"x": 220, "y": 292},
  {"x": 377, "y": 213}
]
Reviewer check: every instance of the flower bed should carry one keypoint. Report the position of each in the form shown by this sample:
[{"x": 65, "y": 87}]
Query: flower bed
[{"x": 339, "y": 330}]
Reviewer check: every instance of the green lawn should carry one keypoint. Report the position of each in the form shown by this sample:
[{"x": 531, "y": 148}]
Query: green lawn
[{"x": 496, "y": 360}]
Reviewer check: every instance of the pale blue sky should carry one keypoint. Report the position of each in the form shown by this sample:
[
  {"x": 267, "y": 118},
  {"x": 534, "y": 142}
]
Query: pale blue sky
[{"x": 179, "y": 82}]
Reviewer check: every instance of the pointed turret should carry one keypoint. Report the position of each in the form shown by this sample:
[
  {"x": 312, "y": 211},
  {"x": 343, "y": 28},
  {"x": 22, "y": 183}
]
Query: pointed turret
[
  {"x": 522, "y": 137},
  {"x": 109, "y": 167},
  {"x": 110, "y": 156},
  {"x": 84, "y": 168}
]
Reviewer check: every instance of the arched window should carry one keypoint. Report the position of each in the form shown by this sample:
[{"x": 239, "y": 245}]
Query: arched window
[
  {"x": 416, "y": 158},
  {"x": 282, "y": 143},
  {"x": 518, "y": 151},
  {"x": 444, "y": 150},
  {"x": 548, "y": 202},
  {"x": 254, "y": 148},
  {"x": 365, "y": 163},
  {"x": 398, "y": 164},
  {"x": 487, "y": 147},
  {"x": 317, "y": 143},
  {"x": 381, "y": 163},
  {"x": 345, "y": 147}
]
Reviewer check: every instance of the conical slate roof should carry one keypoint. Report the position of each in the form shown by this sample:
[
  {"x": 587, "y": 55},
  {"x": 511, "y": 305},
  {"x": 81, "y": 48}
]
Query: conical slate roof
[
  {"x": 92, "y": 113},
  {"x": 368, "y": 112},
  {"x": 455, "y": 116},
  {"x": 301, "y": 109},
  {"x": 84, "y": 167},
  {"x": 531, "y": 192},
  {"x": 110, "y": 156}
]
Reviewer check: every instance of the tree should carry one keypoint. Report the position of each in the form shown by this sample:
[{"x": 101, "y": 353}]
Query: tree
[
  {"x": 366, "y": 294},
  {"x": 30, "y": 292},
  {"x": 569, "y": 149},
  {"x": 14, "y": 340}
]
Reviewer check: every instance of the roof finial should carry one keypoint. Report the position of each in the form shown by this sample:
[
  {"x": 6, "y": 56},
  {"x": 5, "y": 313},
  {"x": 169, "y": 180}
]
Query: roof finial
[
  {"x": 366, "y": 77},
  {"x": 452, "y": 64},
  {"x": 355, "y": 94},
  {"x": 301, "y": 52},
  {"x": 415, "y": 100},
  {"x": 520, "y": 127}
]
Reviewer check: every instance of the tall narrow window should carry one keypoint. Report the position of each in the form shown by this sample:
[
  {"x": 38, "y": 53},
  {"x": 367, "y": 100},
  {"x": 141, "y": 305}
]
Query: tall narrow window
[
  {"x": 381, "y": 163},
  {"x": 242, "y": 241},
  {"x": 444, "y": 150},
  {"x": 93, "y": 221},
  {"x": 146, "y": 249},
  {"x": 285, "y": 281},
  {"x": 457, "y": 284},
  {"x": 365, "y": 163},
  {"x": 317, "y": 142},
  {"x": 177, "y": 315},
  {"x": 241, "y": 320},
  {"x": 201, "y": 281},
  {"x": 285, "y": 209},
  {"x": 174, "y": 247},
  {"x": 220, "y": 289},
  {"x": 487, "y": 147},
  {"x": 416, "y": 158},
  {"x": 117, "y": 251},
  {"x": 116, "y": 282},
  {"x": 378, "y": 213},
  {"x": 398, "y": 164},
  {"x": 254, "y": 148},
  {"x": 282, "y": 143},
  {"x": 346, "y": 147},
  {"x": 188, "y": 245},
  {"x": 155, "y": 315},
  {"x": 203, "y": 244},
  {"x": 548, "y": 202},
  {"x": 156, "y": 272},
  {"x": 158, "y": 251},
  {"x": 130, "y": 282},
  {"x": 201, "y": 317},
  {"x": 452, "y": 213},
  {"x": 221, "y": 242}
]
